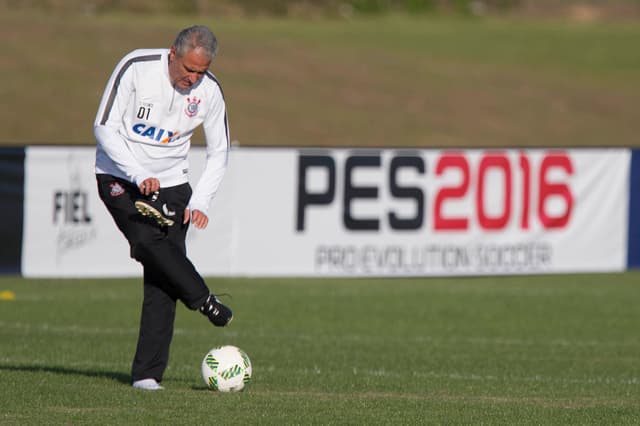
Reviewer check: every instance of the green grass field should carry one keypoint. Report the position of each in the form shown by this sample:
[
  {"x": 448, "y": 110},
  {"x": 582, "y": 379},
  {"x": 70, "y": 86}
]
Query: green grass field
[
  {"x": 386, "y": 82},
  {"x": 558, "y": 349}
]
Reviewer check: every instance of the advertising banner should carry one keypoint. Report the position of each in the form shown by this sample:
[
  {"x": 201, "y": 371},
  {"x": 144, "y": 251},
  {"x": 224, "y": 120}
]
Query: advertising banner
[
  {"x": 431, "y": 212},
  {"x": 344, "y": 212},
  {"x": 68, "y": 231}
]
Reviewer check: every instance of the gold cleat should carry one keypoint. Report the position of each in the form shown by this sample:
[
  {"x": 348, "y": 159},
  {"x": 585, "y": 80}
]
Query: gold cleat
[{"x": 148, "y": 210}]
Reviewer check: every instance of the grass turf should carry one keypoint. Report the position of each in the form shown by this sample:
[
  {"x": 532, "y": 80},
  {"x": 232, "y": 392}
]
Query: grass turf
[
  {"x": 392, "y": 81},
  {"x": 557, "y": 349},
  {"x": 510, "y": 350}
]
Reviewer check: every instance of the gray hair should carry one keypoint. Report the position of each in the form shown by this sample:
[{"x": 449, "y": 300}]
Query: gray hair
[{"x": 197, "y": 36}]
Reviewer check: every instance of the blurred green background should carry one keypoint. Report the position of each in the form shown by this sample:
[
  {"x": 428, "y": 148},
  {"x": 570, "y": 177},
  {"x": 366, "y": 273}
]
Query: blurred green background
[{"x": 423, "y": 73}]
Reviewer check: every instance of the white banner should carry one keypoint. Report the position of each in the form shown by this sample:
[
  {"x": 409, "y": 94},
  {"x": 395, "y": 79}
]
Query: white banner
[
  {"x": 68, "y": 231},
  {"x": 430, "y": 212},
  {"x": 286, "y": 212}
]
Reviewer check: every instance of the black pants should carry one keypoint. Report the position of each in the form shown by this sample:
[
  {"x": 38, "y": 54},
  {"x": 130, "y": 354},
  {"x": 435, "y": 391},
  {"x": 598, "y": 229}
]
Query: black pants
[{"x": 168, "y": 274}]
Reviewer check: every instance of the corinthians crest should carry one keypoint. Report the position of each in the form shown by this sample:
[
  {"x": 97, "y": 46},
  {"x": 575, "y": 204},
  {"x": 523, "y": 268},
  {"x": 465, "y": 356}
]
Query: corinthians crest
[{"x": 192, "y": 106}]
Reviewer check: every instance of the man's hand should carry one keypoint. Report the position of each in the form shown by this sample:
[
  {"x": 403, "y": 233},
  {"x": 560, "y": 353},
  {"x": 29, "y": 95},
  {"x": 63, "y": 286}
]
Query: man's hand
[
  {"x": 199, "y": 219},
  {"x": 149, "y": 186}
]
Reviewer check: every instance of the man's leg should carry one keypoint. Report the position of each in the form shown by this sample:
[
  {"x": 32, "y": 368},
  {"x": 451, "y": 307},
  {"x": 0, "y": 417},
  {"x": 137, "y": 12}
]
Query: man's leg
[
  {"x": 174, "y": 200},
  {"x": 156, "y": 329},
  {"x": 150, "y": 244}
]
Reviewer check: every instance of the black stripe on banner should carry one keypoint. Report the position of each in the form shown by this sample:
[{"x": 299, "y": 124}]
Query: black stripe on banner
[
  {"x": 12, "y": 196},
  {"x": 116, "y": 83}
]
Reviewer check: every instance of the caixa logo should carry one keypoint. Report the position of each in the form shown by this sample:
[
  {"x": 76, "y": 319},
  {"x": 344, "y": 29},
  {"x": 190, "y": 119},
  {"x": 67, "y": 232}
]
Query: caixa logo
[
  {"x": 154, "y": 133},
  {"x": 448, "y": 191}
]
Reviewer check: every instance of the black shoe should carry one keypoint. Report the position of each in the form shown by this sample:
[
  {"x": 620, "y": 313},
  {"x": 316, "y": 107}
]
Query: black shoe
[
  {"x": 146, "y": 208},
  {"x": 217, "y": 313}
]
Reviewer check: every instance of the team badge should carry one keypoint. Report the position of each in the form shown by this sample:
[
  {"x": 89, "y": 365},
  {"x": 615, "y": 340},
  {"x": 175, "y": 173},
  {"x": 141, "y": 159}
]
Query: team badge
[
  {"x": 192, "y": 106},
  {"x": 116, "y": 189}
]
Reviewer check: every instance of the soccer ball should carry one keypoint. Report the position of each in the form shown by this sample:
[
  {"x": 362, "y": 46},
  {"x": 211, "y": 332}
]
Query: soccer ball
[{"x": 226, "y": 369}]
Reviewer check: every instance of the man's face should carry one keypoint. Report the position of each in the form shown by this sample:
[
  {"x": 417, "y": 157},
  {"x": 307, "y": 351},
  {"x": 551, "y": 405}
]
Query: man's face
[{"x": 187, "y": 70}]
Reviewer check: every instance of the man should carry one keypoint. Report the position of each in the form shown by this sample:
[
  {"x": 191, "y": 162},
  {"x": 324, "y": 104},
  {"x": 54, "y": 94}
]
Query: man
[{"x": 153, "y": 102}]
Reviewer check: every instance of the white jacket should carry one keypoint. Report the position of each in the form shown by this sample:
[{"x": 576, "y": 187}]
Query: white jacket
[{"x": 144, "y": 126}]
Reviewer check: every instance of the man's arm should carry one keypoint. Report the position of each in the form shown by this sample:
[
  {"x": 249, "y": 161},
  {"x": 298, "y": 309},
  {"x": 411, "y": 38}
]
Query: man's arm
[
  {"x": 109, "y": 120},
  {"x": 216, "y": 130}
]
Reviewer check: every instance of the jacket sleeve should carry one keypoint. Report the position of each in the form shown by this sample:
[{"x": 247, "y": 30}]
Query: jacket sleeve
[
  {"x": 109, "y": 120},
  {"x": 216, "y": 131}
]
